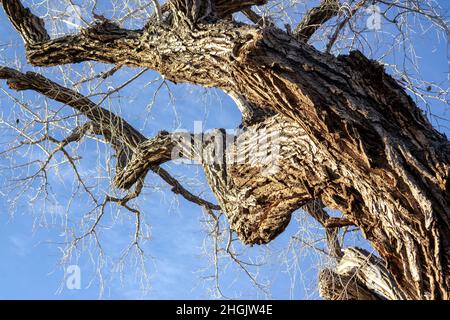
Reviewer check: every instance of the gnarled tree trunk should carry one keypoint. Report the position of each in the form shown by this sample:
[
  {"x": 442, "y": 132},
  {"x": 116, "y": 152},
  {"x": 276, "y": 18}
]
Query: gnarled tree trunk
[{"x": 348, "y": 134}]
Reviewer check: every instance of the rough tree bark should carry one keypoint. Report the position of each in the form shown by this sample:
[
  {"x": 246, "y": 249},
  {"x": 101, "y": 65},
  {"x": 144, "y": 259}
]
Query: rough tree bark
[{"x": 349, "y": 137}]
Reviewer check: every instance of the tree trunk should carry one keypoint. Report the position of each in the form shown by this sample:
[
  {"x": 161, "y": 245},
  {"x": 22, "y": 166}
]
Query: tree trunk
[{"x": 348, "y": 134}]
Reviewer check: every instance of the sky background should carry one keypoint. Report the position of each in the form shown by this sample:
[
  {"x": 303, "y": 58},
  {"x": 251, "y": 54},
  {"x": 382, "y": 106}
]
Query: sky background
[{"x": 32, "y": 230}]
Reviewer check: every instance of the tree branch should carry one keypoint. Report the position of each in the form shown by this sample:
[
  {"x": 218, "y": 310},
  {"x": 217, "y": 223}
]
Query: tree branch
[
  {"x": 116, "y": 131},
  {"x": 382, "y": 161},
  {"x": 200, "y": 10},
  {"x": 316, "y": 209},
  {"x": 343, "y": 23},
  {"x": 178, "y": 188},
  {"x": 228, "y": 7},
  {"x": 30, "y": 27},
  {"x": 315, "y": 18}
]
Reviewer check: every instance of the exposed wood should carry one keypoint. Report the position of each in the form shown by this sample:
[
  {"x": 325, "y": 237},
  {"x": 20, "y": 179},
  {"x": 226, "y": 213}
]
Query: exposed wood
[
  {"x": 333, "y": 286},
  {"x": 359, "y": 275}
]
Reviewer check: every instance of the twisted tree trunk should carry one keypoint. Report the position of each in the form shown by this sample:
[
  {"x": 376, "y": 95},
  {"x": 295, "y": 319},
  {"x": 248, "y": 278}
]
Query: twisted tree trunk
[{"x": 348, "y": 134}]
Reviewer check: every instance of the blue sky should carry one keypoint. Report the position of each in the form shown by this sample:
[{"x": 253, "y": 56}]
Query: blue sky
[{"x": 31, "y": 231}]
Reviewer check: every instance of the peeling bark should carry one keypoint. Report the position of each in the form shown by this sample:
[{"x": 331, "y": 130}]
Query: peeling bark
[{"x": 359, "y": 275}]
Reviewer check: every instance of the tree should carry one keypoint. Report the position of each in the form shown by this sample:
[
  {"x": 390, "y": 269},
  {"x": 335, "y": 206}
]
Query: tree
[{"x": 349, "y": 136}]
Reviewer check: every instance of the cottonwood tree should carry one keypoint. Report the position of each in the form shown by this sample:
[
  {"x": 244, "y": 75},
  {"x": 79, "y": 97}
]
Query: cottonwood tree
[{"x": 349, "y": 135}]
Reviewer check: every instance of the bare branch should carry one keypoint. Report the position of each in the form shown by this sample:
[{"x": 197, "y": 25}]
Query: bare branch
[
  {"x": 29, "y": 26},
  {"x": 228, "y": 7},
  {"x": 256, "y": 18},
  {"x": 316, "y": 209},
  {"x": 120, "y": 134},
  {"x": 315, "y": 18},
  {"x": 177, "y": 188},
  {"x": 195, "y": 11}
]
